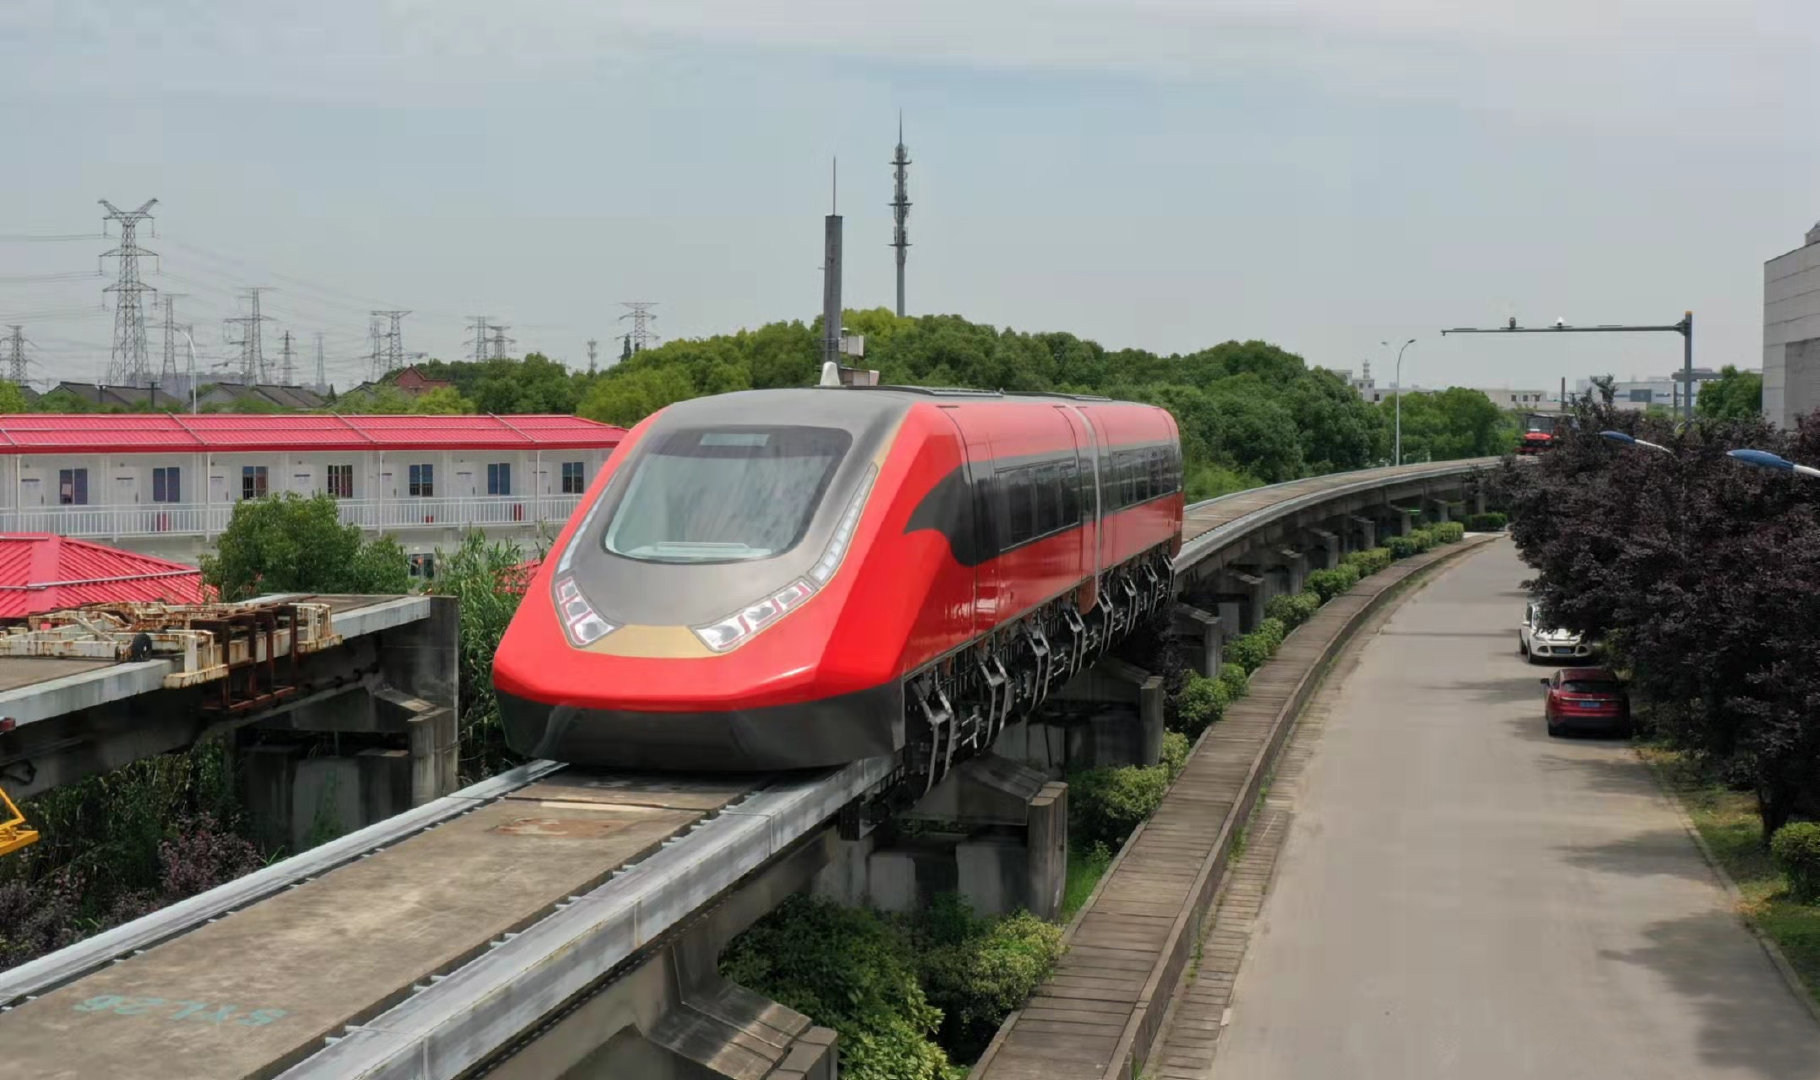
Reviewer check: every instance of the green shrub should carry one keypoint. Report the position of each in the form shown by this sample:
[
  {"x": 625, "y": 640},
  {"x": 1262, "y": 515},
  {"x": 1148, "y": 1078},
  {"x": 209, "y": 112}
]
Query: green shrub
[
  {"x": 976, "y": 970},
  {"x": 1424, "y": 537},
  {"x": 853, "y": 970},
  {"x": 1327, "y": 584},
  {"x": 1369, "y": 561},
  {"x": 1450, "y": 532},
  {"x": 1174, "y": 755},
  {"x": 1292, "y": 609},
  {"x": 1200, "y": 702},
  {"x": 1796, "y": 849},
  {"x": 1105, "y": 804},
  {"x": 1248, "y": 651},
  {"x": 1401, "y": 547},
  {"x": 1235, "y": 679},
  {"x": 1487, "y": 522},
  {"x": 1272, "y": 631}
]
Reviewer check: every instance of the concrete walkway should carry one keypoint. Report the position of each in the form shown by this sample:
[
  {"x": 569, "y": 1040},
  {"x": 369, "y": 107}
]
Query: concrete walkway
[{"x": 1461, "y": 896}]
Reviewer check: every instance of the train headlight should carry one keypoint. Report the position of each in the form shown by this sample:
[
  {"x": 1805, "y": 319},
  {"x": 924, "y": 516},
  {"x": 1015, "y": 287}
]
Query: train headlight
[
  {"x": 732, "y": 631},
  {"x": 579, "y": 619}
]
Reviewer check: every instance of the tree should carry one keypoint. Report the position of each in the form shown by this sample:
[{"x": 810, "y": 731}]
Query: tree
[
  {"x": 12, "y": 399},
  {"x": 292, "y": 544},
  {"x": 1453, "y": 423},
  {"x": 1704, "y": 578},
  {"x": 1734, "y": 395},
  {"x": 442, "y": 401}
]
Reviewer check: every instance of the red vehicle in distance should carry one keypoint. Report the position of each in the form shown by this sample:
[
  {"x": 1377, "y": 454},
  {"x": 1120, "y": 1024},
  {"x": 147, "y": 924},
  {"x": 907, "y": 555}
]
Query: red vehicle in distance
[
  {"x": 1580, "y": 699},
  {"x": 1538, "y": 433}
]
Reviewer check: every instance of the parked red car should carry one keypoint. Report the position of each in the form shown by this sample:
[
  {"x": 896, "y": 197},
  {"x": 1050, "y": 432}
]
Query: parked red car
[{"x": 1586, "y": 698}]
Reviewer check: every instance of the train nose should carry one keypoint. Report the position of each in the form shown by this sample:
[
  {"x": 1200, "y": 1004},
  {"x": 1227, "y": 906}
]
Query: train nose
[{"x": 823, "y": 732}]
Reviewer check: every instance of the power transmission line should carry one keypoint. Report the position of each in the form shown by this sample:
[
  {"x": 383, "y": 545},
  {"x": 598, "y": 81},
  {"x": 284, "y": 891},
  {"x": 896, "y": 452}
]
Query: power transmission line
[
  {"x": 642, "y": 318},
  {"x": 480, "y": 337},
  {"x": 127, "y": 363},
  {"x": 288, "y": 369},
  {"x": 252, "y": 339},
  {"x": 500, "y": 340},
  {"x": 167, "y": 378},
  {"x": 15, "y": 354},
  {"x": 391, "y": 344}
]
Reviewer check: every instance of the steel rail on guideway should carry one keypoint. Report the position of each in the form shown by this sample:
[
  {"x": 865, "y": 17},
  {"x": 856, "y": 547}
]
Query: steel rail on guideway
[{"x": 418, "y": 947}]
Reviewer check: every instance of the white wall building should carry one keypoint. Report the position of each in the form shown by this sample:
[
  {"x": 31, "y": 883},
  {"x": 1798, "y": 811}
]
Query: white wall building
[
  {"x": 167, "y": 484},
  {"x": 1791, "y": 333},
  {"x": 1502, "y": 397}
]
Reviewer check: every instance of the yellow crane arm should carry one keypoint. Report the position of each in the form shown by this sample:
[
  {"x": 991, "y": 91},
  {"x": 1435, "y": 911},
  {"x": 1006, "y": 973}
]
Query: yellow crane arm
[{"x": 14, "y": 833}]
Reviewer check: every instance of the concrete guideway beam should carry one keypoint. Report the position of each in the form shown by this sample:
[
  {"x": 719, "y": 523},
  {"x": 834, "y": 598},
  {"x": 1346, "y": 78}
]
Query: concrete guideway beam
[
  {"x": 674, "y": 1018},
  {"x": 458, "y": 1022}
]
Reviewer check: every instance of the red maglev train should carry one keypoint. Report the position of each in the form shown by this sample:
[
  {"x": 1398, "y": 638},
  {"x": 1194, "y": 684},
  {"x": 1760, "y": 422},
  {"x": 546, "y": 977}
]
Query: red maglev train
[{"x": 779, "y": 579}]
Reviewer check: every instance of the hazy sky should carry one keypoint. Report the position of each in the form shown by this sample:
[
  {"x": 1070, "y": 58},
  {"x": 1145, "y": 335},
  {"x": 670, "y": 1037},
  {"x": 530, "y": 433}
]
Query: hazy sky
[{"x": 1324, "y": 174}]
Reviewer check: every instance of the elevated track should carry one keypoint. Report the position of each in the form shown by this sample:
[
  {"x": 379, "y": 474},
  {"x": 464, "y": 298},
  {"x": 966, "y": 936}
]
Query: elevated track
[{"x": 475, "y": 933}]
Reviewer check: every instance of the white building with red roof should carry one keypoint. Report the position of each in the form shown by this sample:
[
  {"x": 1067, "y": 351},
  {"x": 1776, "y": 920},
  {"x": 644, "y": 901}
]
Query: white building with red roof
[{"x": 166, "y": 484}]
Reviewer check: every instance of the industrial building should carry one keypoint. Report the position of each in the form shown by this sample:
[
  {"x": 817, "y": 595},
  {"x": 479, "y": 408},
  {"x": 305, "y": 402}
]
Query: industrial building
[{"x": 1791, "y": 333}]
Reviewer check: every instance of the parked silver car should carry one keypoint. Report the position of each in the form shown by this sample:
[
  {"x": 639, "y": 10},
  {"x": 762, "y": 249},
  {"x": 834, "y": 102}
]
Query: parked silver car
[{"x": 1539, "y": 645}]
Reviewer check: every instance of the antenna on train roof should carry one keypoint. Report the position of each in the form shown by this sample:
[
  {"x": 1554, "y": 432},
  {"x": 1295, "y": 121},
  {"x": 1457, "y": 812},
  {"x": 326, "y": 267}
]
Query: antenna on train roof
[{"x": 831, "y": 373}]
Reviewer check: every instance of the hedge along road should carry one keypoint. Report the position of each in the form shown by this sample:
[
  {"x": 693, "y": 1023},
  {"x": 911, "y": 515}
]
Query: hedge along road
[{"x": 1462, "y": 896}]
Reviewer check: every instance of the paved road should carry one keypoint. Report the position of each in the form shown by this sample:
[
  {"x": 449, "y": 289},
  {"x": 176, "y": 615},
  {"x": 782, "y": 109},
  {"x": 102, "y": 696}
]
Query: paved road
[{"x": 1462, "y": 896}]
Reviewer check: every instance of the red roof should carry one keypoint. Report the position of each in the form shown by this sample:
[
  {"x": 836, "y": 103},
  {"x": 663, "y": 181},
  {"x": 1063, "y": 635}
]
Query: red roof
[
  {"x": 46, "y": 572},
  {"x": 176, "y": 433}
]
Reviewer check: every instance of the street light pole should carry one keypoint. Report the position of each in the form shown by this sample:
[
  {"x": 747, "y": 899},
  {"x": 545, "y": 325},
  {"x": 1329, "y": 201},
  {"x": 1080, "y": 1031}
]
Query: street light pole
[
  {"x": 192, "y": 344},
  {"x": 1763, "y": 459},
  {"x": 1397, "y": 457}
]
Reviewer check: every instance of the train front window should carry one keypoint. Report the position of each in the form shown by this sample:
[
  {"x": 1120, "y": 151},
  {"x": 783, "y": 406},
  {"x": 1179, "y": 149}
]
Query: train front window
[{"x": 724, "y": 494}]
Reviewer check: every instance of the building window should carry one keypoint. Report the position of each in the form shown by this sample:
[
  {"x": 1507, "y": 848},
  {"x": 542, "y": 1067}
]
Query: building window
[
  {"x": 574, "y": 478},
  {"x": 1643, "y": 396},
  {"x": 341, "y": 481},
  {"x": 167, "y": 485},
  {"x": 423, "y": 481},
  {"x": 252, "y": 481},
  {"x": 423, "y": 566},
  {"x": 499, "y": 478},
  {"x": 72, "y": 487}
]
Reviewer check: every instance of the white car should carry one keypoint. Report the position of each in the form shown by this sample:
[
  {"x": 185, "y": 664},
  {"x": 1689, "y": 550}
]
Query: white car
[{"x": 1538, "y": 644}]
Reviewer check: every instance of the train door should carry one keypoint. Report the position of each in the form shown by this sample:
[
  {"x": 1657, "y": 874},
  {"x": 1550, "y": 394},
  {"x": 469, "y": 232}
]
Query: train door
[
  {"x": 1087, "y": 475},
  {"x": 982, "y": 482}
]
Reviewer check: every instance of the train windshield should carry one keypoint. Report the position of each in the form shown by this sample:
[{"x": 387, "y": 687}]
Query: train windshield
[{"x": 724, "y": 494}]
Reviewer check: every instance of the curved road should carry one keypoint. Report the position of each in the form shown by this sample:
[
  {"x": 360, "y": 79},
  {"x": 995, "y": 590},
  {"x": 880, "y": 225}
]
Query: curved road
[{"x": 1461, "y": 896}]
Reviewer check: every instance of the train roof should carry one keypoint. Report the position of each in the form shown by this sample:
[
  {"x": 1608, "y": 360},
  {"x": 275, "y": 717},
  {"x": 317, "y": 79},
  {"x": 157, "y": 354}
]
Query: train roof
[{"x": 967, "y": 392}]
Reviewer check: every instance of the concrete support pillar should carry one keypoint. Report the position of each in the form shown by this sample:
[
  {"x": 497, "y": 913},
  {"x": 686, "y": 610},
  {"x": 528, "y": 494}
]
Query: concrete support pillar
[
  {"x": 1405, "y": 520},
  {"x": 1251, "y": 591},
  {"x": 1323, "y": 549},
  {"x": 266, "y": 779},
  {"x": 1292, "y": 567},
  {"x": 1367, "y": 531},
  {"x": 1439, "y": 505},
  {"x": 1478, "y": 499},
  {"x": 1004, "y": 848},
  {"x": 1201, "y": 633}
]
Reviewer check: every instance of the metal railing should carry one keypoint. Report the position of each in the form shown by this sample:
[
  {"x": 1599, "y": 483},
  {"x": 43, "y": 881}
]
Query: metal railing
[{"x": 207, "y": 519}]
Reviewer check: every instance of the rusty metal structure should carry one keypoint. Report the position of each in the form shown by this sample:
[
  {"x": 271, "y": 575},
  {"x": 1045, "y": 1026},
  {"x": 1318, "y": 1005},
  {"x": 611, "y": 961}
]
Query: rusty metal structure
[{"x": 237, "y": 648}]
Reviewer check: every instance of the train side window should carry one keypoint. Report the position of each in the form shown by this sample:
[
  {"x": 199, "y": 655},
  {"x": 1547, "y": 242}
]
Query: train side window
[
  {"x": 1071, "y": 494},
  {"x": 1020, "y": 499},
  {"x": 1048, "y": 499}
]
